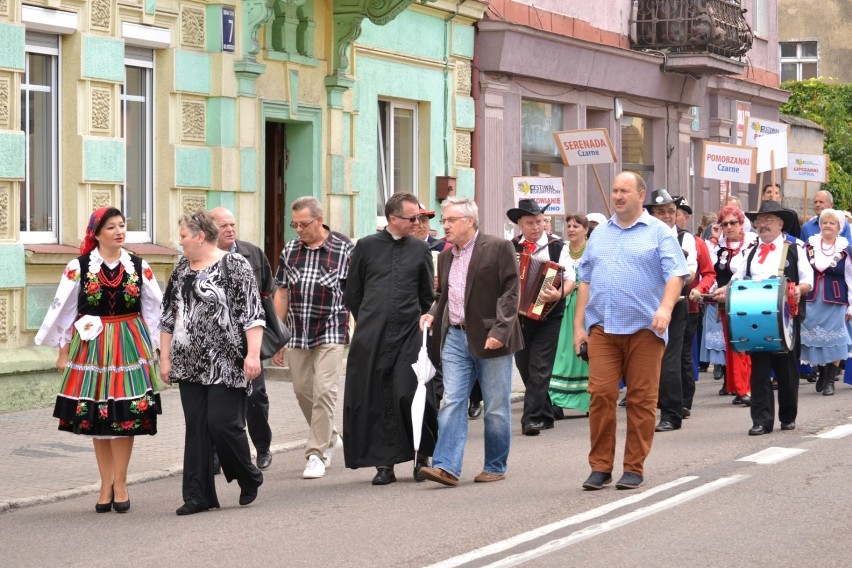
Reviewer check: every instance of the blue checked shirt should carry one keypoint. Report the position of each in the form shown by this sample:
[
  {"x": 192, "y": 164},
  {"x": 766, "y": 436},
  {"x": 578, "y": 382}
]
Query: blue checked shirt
[{"x": 627, "y": 270}]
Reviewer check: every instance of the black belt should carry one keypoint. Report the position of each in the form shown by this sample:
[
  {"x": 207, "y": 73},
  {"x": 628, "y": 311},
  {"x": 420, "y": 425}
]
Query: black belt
[{"x": 460, "y": 326}]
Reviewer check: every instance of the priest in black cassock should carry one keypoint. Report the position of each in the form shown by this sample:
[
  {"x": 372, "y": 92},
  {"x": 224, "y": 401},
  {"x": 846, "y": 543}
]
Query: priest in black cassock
[{"x": 389, "y": 287}]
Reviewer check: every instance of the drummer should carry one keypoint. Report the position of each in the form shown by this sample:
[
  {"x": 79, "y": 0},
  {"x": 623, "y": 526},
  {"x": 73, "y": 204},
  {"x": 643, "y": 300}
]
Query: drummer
[{"x": 761, "y": 263}]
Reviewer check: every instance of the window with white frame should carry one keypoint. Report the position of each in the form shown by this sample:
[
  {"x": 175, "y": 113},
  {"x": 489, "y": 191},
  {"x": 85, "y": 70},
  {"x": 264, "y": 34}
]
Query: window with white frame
[
  {"x": 40, "y": 123},
  {"x": 760, "y": 18},
  {"x": 137, "y": 129},
  {"x": 799, "y": 60},
  {"x": 397, "y": 150}
]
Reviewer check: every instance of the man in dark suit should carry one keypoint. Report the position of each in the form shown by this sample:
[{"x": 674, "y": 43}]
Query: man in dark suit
[
  {"x": 257, "y": 412},
  {"x": 481, "y": 334}
]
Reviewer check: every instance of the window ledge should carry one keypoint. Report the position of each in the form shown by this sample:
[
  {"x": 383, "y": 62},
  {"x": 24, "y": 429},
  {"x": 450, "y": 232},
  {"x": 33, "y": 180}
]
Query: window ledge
[
  {"x": 292, "y": 57},
  {"x": 61, "y": 254}
]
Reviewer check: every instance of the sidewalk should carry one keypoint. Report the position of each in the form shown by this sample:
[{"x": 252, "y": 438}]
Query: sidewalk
[{"x": 42, "y": 464}]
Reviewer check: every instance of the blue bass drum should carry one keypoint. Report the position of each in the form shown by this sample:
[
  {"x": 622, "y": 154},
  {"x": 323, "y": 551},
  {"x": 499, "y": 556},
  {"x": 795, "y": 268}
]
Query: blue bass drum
[{"x": 759, "y": 316}]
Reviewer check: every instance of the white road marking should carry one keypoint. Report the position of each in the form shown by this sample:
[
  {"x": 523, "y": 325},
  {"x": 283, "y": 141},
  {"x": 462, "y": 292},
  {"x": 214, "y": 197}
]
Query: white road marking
[
  {"x": 547, "y": 529},
  {"x": 607, "y": 526},
  {"x": 772, "y": 455},
  {"x": 837, "y": 432}
]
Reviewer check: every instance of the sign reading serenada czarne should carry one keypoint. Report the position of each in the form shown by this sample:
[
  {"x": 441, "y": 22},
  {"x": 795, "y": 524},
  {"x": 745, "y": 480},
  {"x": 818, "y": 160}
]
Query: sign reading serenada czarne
[{"x": 585, "y": 147}]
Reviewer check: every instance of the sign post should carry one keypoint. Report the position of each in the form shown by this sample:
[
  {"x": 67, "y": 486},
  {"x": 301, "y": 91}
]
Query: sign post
[{"x": 587, "y": 148}]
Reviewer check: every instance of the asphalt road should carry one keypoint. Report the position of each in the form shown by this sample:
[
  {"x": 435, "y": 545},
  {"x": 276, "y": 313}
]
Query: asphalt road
[{"x": 699, "y": 506}]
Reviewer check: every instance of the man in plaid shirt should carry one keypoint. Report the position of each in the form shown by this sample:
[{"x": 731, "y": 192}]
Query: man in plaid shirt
[{"x": 310, "y": 278}]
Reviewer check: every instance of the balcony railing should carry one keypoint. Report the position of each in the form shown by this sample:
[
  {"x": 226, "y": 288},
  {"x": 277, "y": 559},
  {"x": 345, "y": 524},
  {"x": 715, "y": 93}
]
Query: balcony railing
[{"x": 691, "y": 26}]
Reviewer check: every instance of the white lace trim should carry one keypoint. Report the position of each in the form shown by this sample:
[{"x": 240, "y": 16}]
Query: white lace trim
[
  {"x": 96, "y": 260},
  {"x": 112, "y": 368}
]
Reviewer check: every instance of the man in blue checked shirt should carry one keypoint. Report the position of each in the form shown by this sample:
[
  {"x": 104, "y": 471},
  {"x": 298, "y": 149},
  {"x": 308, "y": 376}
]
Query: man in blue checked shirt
[{"x": 629, "y": 281}]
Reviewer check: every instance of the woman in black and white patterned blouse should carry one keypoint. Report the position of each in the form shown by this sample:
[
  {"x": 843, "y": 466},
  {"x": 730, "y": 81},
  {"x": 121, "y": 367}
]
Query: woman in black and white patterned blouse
[{"x": 211, "y": 330}]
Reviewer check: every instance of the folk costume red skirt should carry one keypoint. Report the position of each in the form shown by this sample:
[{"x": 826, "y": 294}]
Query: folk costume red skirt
[{"x": 110, "y": 384}]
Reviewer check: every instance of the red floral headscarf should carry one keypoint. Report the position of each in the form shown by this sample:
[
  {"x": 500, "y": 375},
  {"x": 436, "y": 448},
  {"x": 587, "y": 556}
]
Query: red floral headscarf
[{"x": 90, "y": 243}]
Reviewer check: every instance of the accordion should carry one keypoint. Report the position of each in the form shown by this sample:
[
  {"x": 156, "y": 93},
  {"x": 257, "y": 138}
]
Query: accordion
[{"x": 535, "y": 274}]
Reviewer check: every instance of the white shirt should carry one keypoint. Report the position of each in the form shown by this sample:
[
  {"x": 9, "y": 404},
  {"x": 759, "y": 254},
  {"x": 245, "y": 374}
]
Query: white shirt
[
  {"x": 544, "y": 254},
  {"x": 769, "y": 268},
  {"x": 688, "y": 246},
  {"x": 737, "y": 259}
]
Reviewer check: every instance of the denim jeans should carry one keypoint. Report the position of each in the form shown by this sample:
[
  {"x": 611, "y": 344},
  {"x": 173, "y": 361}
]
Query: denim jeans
[{"x": 461, "y": 369}]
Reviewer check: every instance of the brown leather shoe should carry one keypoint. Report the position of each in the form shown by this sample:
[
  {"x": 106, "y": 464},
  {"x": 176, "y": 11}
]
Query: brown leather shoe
[
  {"x": 439, "y": 475},
  {"x": 485, "y": 477}
]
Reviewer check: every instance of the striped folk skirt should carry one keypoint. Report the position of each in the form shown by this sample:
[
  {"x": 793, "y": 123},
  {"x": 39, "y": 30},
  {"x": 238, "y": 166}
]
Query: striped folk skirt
[{"x": 109, "y": 387}]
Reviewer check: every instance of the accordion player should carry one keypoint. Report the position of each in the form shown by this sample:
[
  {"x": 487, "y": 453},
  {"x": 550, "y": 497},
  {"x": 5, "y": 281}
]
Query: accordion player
[{"x": 536, "y": 274}]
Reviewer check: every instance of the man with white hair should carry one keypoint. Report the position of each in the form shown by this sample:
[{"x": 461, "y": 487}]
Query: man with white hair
[
  {"x": 823, "y": 200},
  {"x": 477, "y": 304}
]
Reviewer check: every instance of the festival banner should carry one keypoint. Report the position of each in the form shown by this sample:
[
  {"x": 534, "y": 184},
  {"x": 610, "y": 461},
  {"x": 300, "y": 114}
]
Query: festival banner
[
  {"x": 585, "y": 147},
  {"x": 807, "y": 167},
  {"x": 757, "y": 127},
  {"x": 728, "y": 162},
  {"x": 771, "y": 152},
  {"x": 544, "y": 190}
]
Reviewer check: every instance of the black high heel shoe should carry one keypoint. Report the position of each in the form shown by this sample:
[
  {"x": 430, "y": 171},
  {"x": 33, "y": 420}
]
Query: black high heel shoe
[
  {"x": 121, "y": 506},
  {"x": 105, "y": 507}
]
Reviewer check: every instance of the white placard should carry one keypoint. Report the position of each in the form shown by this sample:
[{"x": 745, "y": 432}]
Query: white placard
[
  {"x": 728, "y": 162},
  {"x": 758, "y": 127},
  {"x": 544, "y": 190},
  {"x": 807, "y": 167},
  {"x": 771, "y": 151},
  {"x": 585, "y": 147}
]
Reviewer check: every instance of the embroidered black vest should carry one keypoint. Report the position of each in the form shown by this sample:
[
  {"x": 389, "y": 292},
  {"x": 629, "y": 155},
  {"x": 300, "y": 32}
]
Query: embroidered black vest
[{"x": 96, "y": 298}]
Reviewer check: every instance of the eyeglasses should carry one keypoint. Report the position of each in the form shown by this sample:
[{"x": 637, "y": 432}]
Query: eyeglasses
[
  {"x": 452, "y": 220},
  {"x": 301, "y": 224},
  {"x": 729, "y": 224},
  {"x": 409, "y": 219}
]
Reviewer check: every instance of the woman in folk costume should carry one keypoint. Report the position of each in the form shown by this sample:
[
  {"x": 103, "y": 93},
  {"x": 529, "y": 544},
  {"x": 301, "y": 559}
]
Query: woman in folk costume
[
  {"x": 569, "y": 382},
  {"x": 104, "y": 319},
  {"x": 825, "y": 331},
  {"x": 729, "y": 241}
]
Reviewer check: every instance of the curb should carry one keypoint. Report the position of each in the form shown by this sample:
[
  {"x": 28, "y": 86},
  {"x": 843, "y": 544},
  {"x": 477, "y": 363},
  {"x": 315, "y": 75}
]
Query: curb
[{"x": 25, "y": 502}]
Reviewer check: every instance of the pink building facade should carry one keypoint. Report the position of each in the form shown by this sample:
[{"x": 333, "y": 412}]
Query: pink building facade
[{"x": 569, "y": 65}]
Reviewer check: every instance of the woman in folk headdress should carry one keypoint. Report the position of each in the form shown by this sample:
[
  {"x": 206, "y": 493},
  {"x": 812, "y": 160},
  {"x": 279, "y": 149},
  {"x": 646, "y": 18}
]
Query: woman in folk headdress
[{"x": 104, "y": 319}]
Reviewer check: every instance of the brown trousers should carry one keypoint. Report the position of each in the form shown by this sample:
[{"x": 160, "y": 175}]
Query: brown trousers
[{"x": 637, "y": 359}]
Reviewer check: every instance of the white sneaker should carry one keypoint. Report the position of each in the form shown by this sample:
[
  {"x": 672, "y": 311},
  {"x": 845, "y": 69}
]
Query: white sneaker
[
  {"x": 329, "y": 452},
  {"x": 315, "y": 468}
]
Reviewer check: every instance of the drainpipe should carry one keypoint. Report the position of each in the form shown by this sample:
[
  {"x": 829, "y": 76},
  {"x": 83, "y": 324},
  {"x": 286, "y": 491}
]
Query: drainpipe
[
  {"x": 447, "y": 114},
  {"x": 478, "y": 114}
]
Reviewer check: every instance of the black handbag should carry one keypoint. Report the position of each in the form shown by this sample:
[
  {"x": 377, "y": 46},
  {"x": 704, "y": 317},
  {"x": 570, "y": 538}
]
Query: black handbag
[{"x": 275, "y": 334}]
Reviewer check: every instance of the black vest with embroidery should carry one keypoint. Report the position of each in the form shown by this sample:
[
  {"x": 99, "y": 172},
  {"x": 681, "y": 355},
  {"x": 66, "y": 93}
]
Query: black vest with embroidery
[
  {"x": 98, "y": 298},
  {"x": 834, "y": 287}
]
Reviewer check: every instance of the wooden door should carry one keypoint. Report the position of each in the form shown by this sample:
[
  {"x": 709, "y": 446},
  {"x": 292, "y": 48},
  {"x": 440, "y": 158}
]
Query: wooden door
[{"x": 276, "y": 191}]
